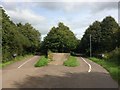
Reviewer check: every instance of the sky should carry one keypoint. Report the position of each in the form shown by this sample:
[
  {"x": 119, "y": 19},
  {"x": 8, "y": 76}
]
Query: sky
[{"x": 75, "y": 14}]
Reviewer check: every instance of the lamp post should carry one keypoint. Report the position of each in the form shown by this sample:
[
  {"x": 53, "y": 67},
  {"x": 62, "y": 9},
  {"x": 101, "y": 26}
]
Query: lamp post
[{"x": 90, "y": 47}]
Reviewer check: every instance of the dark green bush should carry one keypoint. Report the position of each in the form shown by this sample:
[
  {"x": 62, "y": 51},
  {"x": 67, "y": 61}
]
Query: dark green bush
[{"x": 114, "y": 55}]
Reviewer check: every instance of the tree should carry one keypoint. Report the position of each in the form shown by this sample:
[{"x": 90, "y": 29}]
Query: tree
[
  {"x": 11, "y": 42},
  {"x": 17, "y": 39},
  {"x": 95, "y": 31},
  {"x": 77, "y": 49},
  {"x": 32, "y": 37},
  {"x": 109, "y": 28},
  {"x": 60, "y": 39},
  {"x": 104, "y": 38}
]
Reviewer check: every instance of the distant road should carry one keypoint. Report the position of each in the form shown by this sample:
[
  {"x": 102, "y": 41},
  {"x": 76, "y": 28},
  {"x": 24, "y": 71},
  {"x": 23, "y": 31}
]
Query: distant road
[{"x": 23, "y": 74}]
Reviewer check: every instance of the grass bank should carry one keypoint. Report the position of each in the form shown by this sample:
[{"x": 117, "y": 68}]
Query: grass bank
[
  {"x": 43, "y": 61},
  {"x": 18, "y": 58},
  {"x": 112, "y": 67},
  {"x": 71, "y": 62}
]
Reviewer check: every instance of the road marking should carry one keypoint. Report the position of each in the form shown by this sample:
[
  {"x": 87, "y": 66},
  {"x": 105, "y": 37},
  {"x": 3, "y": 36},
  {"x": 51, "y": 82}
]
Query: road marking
[
  {"x": 25, "y": 63},
  {"x": 87, "y": 64}
]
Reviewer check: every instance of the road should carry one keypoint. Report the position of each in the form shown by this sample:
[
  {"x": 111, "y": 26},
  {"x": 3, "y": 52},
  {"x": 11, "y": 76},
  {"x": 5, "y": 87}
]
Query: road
[{"x": 87, "y": 75}]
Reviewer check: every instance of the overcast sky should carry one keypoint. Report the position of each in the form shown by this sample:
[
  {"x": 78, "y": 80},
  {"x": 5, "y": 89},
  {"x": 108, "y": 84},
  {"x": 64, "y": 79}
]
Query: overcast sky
[{"x": 44, "y": 15}]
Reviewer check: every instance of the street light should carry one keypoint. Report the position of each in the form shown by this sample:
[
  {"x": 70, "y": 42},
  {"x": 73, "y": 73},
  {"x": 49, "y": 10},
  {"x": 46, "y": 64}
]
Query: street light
[{"x": 90, "y": 47}]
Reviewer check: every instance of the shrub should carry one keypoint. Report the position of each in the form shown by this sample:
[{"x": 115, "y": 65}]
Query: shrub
[{"x": 114, "y": 55}]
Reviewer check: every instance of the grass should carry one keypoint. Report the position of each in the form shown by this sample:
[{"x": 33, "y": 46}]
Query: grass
[
  {"x": 15, "y": 60},
  {"x": 110, "y": 66},
  {"x": 71, "y": 62},
  {"x": 43, "y": 61}
]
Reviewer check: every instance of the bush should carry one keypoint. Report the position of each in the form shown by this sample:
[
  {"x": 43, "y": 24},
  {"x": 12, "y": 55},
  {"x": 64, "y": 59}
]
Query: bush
[
  {"x": 42, "y": 62},
  {"x": 71, "y": 62},
  {"x": 114, "y": 55}
]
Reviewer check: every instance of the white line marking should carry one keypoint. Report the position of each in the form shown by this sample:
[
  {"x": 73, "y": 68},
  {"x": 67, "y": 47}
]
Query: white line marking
[
  {"x": 87, "y": 64},
  {"x": 25, "y": 63}
]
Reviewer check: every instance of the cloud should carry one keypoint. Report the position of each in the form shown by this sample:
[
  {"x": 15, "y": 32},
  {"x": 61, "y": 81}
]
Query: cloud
[
  {"x": 77, "y": 6},
  {"x": 101, "y": 6},
  {"x": 60, "y": 0},
  {"x": 43, "y": 28},
  {"x": 60, "y": 6},
  {"x": 25, "y": 16},
  {"x": 43, "y": 15},
  {"x": 44, "y": 35},
  {"x": 23, "y": 12}
]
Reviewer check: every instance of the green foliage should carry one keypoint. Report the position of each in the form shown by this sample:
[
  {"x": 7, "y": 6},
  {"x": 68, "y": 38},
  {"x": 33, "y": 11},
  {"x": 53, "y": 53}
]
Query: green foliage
[
  {"x": 112, "y": 67},
  {"x": 77, "y": 49},
  {"x": 60, "y": 39},
  {"x": 32, "y": 36},
  {"x": 117, "y": 34},
  {"x": 114, "y": 56},
  {"x": 104, "y": 37},
  {"x": 94, "y": 31},
  {"x": 109, "y": 27},
  {"x": 17, "y": 39},
  {"x": 71, "y": 62},
  {"x": 42, "y": 62}
]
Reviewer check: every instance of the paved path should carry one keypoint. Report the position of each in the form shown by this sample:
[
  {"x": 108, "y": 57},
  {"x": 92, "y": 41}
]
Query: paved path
[
  {"x": 59, "y": 58},
  {"x": 57, "y": 76}
]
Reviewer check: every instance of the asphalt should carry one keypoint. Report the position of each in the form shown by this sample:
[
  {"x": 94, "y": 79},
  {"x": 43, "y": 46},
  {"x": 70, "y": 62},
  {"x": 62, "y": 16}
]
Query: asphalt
[{"x": 56, "y": 76}]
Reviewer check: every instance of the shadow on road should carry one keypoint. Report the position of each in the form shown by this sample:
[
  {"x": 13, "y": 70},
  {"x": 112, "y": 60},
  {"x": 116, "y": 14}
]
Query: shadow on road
[{"x": 68, "y": 80}]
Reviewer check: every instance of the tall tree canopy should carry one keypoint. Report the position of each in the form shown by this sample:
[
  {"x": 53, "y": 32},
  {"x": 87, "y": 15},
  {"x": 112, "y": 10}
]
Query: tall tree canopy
[
  {"x": 109, "y": 28},
  {"x": 60, "y": 39},
  {"x": 17, "y": 39},
  {"x": 94, "y": 31},
  {"x": 32, "y": 36},
  {"x": 104, "y": 36}
]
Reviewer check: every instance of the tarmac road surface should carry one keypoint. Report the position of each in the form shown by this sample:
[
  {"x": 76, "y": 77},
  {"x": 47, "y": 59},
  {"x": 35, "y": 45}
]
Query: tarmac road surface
[{"x": 23, "y": 74}]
